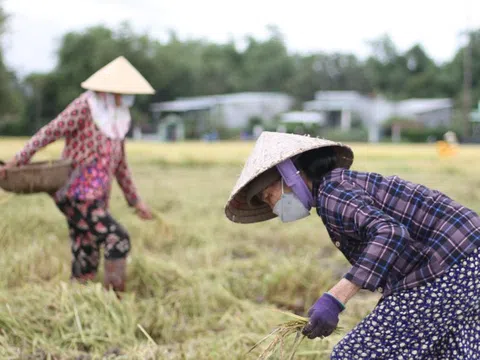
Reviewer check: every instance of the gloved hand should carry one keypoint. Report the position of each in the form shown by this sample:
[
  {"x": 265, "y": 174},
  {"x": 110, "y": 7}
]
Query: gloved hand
[{"x": 323, "y": 317}]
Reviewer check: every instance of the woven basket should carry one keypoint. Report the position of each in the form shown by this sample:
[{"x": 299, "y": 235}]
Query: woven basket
[{"x": 37, "y": 177}]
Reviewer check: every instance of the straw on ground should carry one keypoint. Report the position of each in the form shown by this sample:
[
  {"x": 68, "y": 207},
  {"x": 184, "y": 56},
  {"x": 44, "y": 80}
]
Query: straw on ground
[{"x": 204, "y": 291}]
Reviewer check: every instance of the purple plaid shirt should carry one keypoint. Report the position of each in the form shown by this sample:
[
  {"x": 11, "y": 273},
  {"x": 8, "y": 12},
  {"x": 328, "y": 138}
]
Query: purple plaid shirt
[{"x": 395, "y": 234}]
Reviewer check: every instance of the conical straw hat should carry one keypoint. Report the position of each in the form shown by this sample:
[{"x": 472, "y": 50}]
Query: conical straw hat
[
  {"x": 118, "y": 76},
  {"x": 271, "y": 149}
]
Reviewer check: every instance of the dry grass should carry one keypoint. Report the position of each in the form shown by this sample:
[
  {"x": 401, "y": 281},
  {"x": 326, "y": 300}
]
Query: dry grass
[{"x": 199, "y": 286}]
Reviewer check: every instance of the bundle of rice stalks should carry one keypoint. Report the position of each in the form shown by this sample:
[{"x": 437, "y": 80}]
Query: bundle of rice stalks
[
  {"x": 162, "y": 226},
  {"x": 281, "y": 333}
]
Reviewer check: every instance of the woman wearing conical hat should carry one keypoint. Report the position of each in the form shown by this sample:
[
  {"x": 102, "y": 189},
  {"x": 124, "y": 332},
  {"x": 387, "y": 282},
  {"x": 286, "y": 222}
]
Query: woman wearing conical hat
[
  {"x": 416, "y": 246},
  {"x": 94, "y": 126}
]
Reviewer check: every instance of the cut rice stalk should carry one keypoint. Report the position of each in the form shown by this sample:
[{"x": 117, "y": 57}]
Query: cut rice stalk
[
  {"x": 146, "y": 334},
  {"x": 281, "y": 333},
  {"x": 163, "y": 227}
]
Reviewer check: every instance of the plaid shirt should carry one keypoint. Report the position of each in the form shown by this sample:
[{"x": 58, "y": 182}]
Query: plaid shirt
[{"x": 395, "y": 234}]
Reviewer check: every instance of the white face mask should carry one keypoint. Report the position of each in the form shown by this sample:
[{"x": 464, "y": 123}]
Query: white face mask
[
  {"x": 289, "y": 208},
  {"x": 127, "y": 100},
  {"x": 114, "y": 121}
]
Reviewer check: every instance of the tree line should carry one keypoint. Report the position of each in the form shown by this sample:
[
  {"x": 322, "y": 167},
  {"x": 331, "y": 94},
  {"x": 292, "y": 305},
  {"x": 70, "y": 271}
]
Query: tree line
[{"x": 197, "y": 67}]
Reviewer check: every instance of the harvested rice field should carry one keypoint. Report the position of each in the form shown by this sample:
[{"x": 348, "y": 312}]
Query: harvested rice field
[{"x": 204, "y": 289}]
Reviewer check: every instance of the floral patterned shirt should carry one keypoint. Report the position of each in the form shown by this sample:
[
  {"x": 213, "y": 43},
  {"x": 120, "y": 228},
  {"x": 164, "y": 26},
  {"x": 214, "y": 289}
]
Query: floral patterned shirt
[{"x": 96, "y": 158}]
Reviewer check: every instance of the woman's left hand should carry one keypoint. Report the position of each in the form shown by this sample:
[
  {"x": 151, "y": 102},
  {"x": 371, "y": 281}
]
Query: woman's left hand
[
  {"x": 323, "y": 317},
  {"x": 143, "y": 211}
]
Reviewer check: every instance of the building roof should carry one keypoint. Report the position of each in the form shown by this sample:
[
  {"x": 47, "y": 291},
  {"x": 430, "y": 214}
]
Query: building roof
[
  {"x": 207, "y": 102},
  {"x": 352, "y": 100},
  {"x": 306, "y": 117},
  {"x": 337, "y": 100},
  {"x": 338, "y": 95},
  {"x": 419, "y": 106},
  {"x": 183, "y": 105}
]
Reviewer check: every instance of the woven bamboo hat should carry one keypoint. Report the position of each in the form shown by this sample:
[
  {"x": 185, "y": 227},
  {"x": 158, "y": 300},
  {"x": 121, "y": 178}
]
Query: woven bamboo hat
[
  {"x": 271, "y": 149},
  {"x": 120, "y": 77}
]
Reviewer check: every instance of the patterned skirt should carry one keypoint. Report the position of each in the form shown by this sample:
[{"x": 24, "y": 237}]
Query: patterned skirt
[
  {"x": 440, "y": 320},
  {"x": 91, "y": 227}
]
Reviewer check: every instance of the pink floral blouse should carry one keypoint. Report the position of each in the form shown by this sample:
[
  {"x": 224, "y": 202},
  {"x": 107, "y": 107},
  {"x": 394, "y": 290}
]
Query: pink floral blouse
[{"x": 96, "y": 158}]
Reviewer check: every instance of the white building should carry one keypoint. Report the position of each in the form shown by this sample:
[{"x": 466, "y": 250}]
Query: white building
[
  {"x": 205, "y": 113},
  {"x": 303, "y": 117},
  {"x": 340, "y": 108},
  {"x": 429, "y": 112}
]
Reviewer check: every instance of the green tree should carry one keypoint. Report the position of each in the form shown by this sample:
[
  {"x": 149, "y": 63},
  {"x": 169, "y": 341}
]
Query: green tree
[
  {"x": 267, "y": 65},
  {"x": 455, "y": 70},
  {"x": 320, "y": 71},
  {"x": 218, "y": 70},
  {"x": 11, "y": 99},
  {"x": 41, "y": 93},
  {"x": 387, "y": 68},
  {"x": 80, "y": 54},
  {"x": 423, "y": 75}
]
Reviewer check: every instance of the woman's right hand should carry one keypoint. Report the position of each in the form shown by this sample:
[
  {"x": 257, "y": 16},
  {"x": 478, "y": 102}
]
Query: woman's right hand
[{"x": 4, "y": 167}]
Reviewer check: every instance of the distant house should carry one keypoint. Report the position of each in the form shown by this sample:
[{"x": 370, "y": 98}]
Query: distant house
[
  {"x": 300, "y": 122},
  {"x": 195, "y": 116},
  {"x": 428, "y": 112},
  {"x": 475, "y": 114},
  {"x": 302, "y": 117},
  {"x": 475, "y": 124},
  {"x": 341, "y": 108}
]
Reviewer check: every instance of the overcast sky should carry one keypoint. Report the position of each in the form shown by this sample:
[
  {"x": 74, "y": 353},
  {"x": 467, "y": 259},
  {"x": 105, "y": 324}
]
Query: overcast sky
[{"x": 308, "y": 25}]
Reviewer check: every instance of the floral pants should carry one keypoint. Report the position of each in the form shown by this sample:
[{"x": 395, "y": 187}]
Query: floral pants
[
  {"x": 440, "y": 320},
  {"x": 92, "y": 226}
]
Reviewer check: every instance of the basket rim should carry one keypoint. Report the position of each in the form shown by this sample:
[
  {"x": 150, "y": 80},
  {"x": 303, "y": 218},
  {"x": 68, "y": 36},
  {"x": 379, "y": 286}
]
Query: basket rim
[{"x": 40, "y": 165}]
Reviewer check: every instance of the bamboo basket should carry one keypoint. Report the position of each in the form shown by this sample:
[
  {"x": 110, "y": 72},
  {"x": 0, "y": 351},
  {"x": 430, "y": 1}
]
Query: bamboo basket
[{"x": 36, "y": 177}]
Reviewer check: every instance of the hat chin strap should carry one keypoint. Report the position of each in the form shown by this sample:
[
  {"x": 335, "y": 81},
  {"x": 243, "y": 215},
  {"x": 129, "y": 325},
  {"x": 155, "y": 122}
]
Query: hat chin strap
[{"x": 292, "y": 178}]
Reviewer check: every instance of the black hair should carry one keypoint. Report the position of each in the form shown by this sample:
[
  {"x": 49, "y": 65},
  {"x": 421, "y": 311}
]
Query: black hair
[{"x": 317, "y": 163}]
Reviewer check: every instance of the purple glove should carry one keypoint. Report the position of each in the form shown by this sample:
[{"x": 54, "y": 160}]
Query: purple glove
[{"x": 323, "y": 317}]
